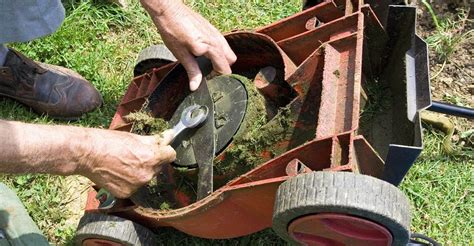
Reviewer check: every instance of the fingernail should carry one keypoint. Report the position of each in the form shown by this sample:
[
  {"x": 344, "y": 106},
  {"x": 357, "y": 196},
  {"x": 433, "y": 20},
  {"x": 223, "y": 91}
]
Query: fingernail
[{"x": 193, "y": 85}]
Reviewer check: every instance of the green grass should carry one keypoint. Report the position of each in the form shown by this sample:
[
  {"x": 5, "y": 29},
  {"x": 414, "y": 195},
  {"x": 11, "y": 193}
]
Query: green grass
[
  {"x": 440, "y": 188},
  {"x": 101, "y": 42},
  {"x": 44, "y": 199}
]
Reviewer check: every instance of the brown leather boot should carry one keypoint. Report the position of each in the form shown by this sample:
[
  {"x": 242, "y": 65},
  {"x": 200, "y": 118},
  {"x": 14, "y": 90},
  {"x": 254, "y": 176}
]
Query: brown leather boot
[{"x": 59, "y": 92}]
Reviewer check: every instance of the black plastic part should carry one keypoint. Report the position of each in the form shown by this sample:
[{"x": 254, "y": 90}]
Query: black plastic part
[
  {"x": 230, "y": 103},
  {"x": 451, "y": 109},
  {"x": 415, "y": 237},
  {"x": 173, "y": 89},
  {"x": 151, "y": 57},
  {"x": 342, "y": 192}
]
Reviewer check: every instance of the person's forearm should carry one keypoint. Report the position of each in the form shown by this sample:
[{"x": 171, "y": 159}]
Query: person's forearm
[
  {"x": 159, "y": 7},
  {"x": 118, "y": 161},
  {"x": 28, "y": 148}
]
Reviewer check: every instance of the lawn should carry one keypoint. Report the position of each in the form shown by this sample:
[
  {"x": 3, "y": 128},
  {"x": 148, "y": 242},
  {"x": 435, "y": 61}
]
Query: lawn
[{"x": 101, "y": 42}]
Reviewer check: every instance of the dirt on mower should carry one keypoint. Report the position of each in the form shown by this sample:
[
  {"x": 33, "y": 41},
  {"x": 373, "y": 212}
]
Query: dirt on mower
[
  {"x": 251, "y": 145},
  {"x": 254, "y": 142}
]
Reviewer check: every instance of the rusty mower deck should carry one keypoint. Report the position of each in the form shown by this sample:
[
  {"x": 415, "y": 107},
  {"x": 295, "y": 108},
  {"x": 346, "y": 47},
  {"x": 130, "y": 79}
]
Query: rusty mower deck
[{"x": 338, "y": 57}]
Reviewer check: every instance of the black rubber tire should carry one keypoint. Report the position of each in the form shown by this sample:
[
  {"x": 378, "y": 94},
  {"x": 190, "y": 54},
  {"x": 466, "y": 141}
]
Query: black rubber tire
[
  {"x": 346, "y": 193},
  {"x": 113, "y": 228},
  {"x": 151, "y": 57}
]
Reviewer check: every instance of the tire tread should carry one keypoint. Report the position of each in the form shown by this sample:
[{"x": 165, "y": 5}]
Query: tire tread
[
  {"x": 113, "y": 228},
  {"x": 342, "y": 192}
]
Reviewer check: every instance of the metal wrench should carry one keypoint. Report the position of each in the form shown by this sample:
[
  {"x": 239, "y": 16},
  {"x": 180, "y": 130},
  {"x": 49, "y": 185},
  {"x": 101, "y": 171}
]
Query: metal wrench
[{"x": 191, "y": 117}]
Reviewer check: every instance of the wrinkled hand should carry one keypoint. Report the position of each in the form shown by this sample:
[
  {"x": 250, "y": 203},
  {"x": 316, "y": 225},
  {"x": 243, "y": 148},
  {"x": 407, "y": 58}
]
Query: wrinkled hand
[
  {"x": 187, "y": 35},
  {"x": 123, "y": 162}
]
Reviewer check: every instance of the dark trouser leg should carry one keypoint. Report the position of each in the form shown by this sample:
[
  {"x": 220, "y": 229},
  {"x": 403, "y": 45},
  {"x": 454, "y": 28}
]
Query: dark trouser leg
[{"x": 15, "y": 222}]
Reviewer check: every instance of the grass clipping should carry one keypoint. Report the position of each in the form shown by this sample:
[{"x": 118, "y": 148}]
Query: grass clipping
[
  {"x": 145, "y": 124},
  {"x": 256, "y": 138}
]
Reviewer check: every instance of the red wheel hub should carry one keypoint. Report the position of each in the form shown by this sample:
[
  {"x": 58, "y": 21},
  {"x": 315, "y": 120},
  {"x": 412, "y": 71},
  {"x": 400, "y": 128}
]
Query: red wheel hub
[
  {"x": 338, "y": 229},
  {"x": 99, "y": 242}
]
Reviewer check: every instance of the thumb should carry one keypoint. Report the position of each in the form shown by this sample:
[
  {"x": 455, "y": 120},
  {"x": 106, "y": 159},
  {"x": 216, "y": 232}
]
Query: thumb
[{"x": 165, "y": 137}]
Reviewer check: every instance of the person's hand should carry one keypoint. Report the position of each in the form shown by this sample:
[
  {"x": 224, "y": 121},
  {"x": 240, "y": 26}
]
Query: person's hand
[
  {"x": 122, "y": 162},
  {"x": 187, "y": 35}
]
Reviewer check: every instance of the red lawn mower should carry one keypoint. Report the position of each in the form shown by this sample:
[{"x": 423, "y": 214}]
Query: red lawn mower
[{"x": 340, "y": 86}]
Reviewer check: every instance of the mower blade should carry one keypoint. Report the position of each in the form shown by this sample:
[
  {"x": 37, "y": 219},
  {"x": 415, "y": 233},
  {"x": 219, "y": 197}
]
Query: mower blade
[{"x": 203, "y": 142}]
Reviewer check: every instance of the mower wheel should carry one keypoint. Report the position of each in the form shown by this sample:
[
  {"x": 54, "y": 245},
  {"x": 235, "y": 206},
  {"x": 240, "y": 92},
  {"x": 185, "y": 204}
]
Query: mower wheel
[
  {"x": 341, "y": 208},
  {"x": 151, "y": 57},
  {"x": 106, "y": 230}
]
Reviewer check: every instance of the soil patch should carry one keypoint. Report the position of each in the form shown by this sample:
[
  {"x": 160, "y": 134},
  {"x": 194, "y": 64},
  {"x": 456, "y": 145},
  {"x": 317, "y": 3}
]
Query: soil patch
[
  {"x": 453, "y": 82},
  {"x": 451, "y": 78}
]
